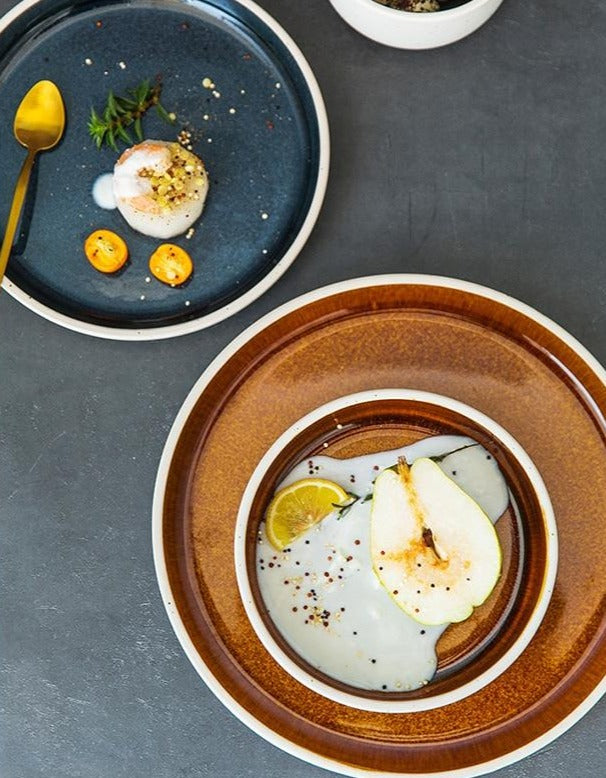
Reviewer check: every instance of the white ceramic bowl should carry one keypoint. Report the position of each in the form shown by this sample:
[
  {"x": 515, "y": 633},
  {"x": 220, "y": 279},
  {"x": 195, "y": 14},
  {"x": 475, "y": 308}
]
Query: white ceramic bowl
[
  {"x": 331, "y": 413},
  {"x": 406, "y": 30}
]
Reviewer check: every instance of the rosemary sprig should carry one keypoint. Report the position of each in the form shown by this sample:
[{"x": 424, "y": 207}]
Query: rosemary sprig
[
  {"x": 437, "y": 458},
  {"x": 441, "y": 457},
  {"x": 343, "y": 508},
  {"x": 125, "y": 111}
]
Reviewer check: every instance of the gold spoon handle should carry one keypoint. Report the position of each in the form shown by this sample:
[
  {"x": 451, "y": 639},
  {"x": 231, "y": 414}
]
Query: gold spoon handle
[{"x": 15, "y": 212}]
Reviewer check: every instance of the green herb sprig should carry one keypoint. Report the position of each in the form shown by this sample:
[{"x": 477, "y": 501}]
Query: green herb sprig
[
  {"x": 125, "y": 111},
  {"x": 343, "y": 508}
]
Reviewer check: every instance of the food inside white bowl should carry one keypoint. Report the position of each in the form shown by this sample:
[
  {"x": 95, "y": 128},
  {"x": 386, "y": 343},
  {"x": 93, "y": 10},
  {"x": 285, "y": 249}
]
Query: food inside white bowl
[{"x": 413, "y": 6}]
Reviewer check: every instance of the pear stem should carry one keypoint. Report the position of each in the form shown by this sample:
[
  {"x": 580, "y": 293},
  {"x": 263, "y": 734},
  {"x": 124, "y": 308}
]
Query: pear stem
[{"x": 403, "y": 468}]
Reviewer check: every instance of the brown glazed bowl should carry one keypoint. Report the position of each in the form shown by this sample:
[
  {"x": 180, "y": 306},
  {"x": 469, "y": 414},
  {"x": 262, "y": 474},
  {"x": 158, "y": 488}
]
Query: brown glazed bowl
[
  {"x": 472, "y": 653},
  {"x": 426, "y": 333}
]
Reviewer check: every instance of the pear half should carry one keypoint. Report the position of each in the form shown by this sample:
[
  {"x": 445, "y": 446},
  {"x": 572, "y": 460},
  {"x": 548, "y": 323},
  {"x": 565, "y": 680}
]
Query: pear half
[{"x": 433, "y": 548}]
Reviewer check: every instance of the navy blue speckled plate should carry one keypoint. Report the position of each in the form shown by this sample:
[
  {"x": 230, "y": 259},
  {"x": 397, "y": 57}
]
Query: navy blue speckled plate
[{"x": 262, "y": 133}]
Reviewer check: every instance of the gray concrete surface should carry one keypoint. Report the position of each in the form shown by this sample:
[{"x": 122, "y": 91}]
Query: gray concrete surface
[{"x": 485, "y": 161}]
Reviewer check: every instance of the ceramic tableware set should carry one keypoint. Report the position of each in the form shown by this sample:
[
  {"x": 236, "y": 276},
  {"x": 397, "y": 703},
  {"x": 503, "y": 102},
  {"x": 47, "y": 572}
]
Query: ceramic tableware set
[{"x": 537, "y": 394}]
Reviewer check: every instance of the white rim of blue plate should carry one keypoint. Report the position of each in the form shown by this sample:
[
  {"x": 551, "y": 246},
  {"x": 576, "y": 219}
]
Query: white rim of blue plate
[
  {"x": 177, "y": 624},
  {"x": 269, "y": 279}
]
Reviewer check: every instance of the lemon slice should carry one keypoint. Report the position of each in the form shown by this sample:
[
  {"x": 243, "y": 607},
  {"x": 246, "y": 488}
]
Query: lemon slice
[{"x": 299, "y": 506}]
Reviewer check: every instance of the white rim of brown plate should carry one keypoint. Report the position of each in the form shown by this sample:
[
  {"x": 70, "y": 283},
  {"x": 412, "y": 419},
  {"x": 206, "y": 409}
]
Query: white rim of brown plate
[
  {"x": 388, "y": 705},
  {"x": 268, "y": 280},
  {"x": 174, "y": 616}
]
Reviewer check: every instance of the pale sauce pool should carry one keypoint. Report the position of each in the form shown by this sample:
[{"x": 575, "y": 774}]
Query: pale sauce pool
[
  {"x": 322, "y": 593},
  {"x": 103, "y": 192}
]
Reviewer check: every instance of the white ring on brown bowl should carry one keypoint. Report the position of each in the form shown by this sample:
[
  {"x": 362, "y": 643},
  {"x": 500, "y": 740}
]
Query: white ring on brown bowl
[{"x": 390, "y": 705}]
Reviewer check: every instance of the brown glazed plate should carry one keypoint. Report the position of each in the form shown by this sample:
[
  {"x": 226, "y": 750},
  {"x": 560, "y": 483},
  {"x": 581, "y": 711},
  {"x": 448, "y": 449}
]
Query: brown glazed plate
[{"x": 424, "y": 333}]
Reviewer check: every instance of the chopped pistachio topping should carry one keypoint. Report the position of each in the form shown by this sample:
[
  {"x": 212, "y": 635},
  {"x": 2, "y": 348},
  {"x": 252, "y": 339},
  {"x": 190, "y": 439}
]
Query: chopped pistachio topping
[{"x": 180, "y": 182}]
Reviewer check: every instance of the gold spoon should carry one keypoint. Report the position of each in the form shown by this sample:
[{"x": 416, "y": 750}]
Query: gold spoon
[{"x": 39, "y": 124}]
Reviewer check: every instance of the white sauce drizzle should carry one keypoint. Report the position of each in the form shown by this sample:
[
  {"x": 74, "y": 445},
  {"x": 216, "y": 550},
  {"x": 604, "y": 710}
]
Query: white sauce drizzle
[
  {"x": 103, "y": 192},
  {"x": 358, "y": 635}
]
